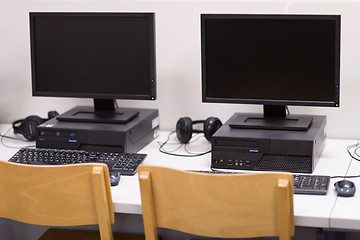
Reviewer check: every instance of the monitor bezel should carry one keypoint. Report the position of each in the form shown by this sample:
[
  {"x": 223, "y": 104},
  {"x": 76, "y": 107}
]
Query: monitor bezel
[
  {"x": 152, "y": 61},
  {"x": 334, "y": 103}
]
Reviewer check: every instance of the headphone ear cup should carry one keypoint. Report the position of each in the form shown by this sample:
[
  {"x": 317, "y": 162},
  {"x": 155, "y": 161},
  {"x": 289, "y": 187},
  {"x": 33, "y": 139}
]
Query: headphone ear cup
[
  {"x": 211, "y": 125},
  {"x": 184, "y": 129},
  {"x": 17, "y": 126},
  {"x": 28, "y": 126}
]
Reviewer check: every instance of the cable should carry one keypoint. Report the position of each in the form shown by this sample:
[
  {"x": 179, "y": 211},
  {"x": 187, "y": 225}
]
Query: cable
[
  {"x": 13, "y": 138},
  {"x": 162, "y": 150},
  {"x": 356, "y": 146},
  {"x": 354, "y": 176},
  {"x": 195, "y": 154},
  {"x": 352, "y": 155}
]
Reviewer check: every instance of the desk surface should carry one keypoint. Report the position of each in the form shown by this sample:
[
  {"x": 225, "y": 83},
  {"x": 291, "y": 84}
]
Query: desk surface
[
  {"x": 327, "y": 211},
  {"x": 346, "y": 213}
]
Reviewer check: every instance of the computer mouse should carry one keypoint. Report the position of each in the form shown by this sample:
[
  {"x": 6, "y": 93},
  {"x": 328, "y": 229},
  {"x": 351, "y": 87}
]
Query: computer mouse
[
  {"x": 114, "y": 178},
  {"x": 345, "y": 188}
]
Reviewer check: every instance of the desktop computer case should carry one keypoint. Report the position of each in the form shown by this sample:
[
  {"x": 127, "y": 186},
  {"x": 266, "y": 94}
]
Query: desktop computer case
[
  {"x": 268, "y": 150},
  {"x": 130, "y": 137}
]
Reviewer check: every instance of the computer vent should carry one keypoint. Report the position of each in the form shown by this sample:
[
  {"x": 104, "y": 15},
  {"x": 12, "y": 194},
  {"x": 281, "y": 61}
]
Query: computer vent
[{"x": 292, "y": 163}]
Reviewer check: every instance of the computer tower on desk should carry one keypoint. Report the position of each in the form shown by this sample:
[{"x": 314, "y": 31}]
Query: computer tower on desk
[
  {"x": 268, "y": 150},
  {"x": 127, "y": 137}
]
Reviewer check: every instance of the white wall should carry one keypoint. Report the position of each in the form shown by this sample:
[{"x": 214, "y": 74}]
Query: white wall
[{"x": 178, "y": 58}]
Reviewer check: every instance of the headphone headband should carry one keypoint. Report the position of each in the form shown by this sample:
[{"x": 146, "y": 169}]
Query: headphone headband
[{"x": 184, "y": 128}]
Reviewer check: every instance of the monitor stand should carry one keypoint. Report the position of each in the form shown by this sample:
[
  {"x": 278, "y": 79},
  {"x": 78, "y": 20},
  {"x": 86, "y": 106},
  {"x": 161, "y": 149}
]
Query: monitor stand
[
  {"x": 103, "y": 111},
  {"x": 274, "y": 118}
]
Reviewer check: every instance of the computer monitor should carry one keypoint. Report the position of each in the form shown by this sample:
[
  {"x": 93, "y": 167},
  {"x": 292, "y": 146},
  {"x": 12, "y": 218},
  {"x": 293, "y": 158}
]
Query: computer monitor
[
  {"x": 273, "y": 60},
  {"x": 104, "y": 56}
]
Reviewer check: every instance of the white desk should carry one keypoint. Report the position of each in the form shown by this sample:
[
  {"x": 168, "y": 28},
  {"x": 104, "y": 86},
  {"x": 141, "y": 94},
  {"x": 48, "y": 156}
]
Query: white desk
[
  {"x": 309, "y": 210},
  {"x": 316, "y": 211},
  {"x": 346, "y": 212}
]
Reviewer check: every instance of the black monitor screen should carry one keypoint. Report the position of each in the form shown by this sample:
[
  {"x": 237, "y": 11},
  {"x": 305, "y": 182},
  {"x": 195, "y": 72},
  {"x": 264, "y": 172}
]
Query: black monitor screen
[
  {"x": 93, "y": 55},
  {"x": 271, "y": 59}
]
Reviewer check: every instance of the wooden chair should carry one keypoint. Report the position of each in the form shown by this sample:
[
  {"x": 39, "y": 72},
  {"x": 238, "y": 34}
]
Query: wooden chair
[
  {"x": 217, "y": 205},
  {"x": 63, "y": 195}
]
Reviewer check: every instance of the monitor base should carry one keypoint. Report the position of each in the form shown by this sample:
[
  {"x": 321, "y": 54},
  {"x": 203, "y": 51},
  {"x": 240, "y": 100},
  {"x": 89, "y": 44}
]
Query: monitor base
[
  {"x": 88, "y": 114},
  {"x": 253, "y": 121}
]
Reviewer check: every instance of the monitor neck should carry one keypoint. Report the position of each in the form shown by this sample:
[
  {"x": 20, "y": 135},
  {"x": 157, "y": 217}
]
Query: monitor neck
[
  {"x": 275, "y": 111},
  {"x": 104, "y": 105}
]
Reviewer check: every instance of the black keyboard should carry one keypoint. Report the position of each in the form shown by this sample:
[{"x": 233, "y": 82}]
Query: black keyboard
[
  {"x": 303, "y": 183},
  {"x": 311, "y": 184},
  {"x": 125, "y": 163}
]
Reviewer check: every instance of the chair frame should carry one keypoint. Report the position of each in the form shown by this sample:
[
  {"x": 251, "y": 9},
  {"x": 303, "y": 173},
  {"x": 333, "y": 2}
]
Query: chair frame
[
  {"x": 217, "y": 205},
  {"x": 61, "y": 195}
]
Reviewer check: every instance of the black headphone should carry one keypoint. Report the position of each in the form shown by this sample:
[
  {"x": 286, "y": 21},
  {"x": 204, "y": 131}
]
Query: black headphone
[
  {"x": 27, "y": 126},
  {"x": 184, "y": 128}
]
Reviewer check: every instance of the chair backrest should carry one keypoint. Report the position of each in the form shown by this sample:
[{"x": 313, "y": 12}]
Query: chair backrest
[
  {"x": 62, "y": 195},
  {"x": 217, "y": 205}
]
